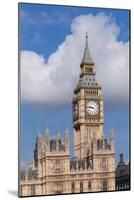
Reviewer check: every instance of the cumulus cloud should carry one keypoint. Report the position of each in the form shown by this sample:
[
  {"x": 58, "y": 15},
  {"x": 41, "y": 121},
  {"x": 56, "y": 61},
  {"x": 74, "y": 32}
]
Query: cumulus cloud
[{"x": 52, "y": 82}]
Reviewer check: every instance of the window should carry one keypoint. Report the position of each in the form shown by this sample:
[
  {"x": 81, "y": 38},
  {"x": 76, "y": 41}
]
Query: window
[
  {"x": 89, "y": 185},
  {"x": 73, "y": 187},
  {"x": 57, "y": 166},
  {"x": 81, "y": 186},
  {"x": 58, "y": 187},
  {"x": 104, "y": 185},
  {"x": 32, "y": 190},
  {"x": 104, "y": 164}
]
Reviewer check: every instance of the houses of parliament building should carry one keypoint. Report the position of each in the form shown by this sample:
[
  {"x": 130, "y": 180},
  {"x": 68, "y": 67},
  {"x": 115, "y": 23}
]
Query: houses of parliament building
[{"x": 93, "y": 167}]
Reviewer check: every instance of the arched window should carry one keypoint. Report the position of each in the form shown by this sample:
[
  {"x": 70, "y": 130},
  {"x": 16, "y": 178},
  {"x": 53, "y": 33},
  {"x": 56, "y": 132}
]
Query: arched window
[
  {"x": 32, "y": 190},
  {"x": 89, "y": 185},
  {"x": 58, "y": 188},
  {"x": 73, "y": 187},
  {"x": 81, "y": 186},
  {"x": 57, "y": 166},
  {"x": 104, "y": 164},
  {"x": 104, "y": 185}
]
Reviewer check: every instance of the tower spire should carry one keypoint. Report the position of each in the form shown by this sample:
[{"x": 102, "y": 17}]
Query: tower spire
[
  {"x": 67, "y": 141},
  {"x": 39, "y": 137},
  {"x": 47, "y": 139},
  {"x": 87, "y": 56},
  {"x": 58, "y": 134}
]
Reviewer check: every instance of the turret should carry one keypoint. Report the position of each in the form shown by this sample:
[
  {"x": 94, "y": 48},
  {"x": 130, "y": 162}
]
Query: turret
[
  {"x": 112, "y": 138},
  {"x": 121, "y": 162},
  {"x": 58, "y": 135},
  {"x": 67, "y": 142},
  {"x": 38, "y": 148},
  {"x": 58, "y": 141},
  {"x": 39, "y": 139},
  {"x": 47, "y": 139}
]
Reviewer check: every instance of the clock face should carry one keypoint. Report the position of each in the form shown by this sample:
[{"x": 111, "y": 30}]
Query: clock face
[
  {"x": 92, "y": 108},
  {"x": 75, "y": 110}
]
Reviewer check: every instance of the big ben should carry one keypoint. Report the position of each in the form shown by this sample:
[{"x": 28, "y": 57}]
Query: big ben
[
  {"x": 88, "y": 109},
  {"x": 93, "y": 167}
]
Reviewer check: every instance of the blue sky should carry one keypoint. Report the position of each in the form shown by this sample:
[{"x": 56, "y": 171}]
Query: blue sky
[
  {"x": 35, "y": 36},
  {"x": 42, "y": 29}
]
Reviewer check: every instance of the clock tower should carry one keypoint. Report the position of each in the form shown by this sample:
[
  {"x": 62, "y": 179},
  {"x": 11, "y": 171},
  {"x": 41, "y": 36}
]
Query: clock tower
[
  {"x": 93, "y": 166},
  {"x": 88, "y": 111}
]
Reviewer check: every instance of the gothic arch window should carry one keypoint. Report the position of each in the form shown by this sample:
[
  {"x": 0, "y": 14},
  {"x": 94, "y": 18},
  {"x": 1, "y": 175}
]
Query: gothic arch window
[
  {"x": 104, "y": 185},
  {"x": 89, "y": 185},
  {"x": 57, "y": 166},
  {"x": 81, "y": 186},
  {"x": 32, "y": 190},
  {"x": 58, "y": 188},
  {"x": 104, "y": 164},
  {"x": 73, "y": 187},
  {"x": 57, "y": 163}
]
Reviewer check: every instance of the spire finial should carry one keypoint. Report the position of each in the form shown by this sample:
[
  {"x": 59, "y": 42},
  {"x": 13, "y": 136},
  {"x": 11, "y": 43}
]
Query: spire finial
[
  {"x": 121, "y": 157},
  {"x": 121, "y": 161},
  {"x": 86, "y": 33},
  {"x": 47, "y": 132},
  {"x": 58, "y": 131},
  {"x": 58, "y": 134},
  {"x": 86, "y": 46},
  {"x": 47, "y": 129},
  {"x": 39, "y": 132}
]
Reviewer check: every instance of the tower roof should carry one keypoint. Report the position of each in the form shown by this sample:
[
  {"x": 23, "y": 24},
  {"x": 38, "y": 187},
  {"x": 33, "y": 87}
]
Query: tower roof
[{"x": 87, "y": 56}]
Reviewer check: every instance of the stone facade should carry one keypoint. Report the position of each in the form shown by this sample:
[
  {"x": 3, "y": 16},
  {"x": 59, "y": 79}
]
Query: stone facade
[{"x": 93, "y": 166}]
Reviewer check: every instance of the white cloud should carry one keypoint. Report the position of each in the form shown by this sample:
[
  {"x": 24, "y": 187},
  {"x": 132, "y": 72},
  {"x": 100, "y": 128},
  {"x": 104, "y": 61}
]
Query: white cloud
[{"x": 52, "y": 82}]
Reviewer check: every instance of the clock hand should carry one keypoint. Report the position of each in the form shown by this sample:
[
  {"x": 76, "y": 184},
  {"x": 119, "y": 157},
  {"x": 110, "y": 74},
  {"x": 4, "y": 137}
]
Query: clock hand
[{"x": 91, "y": 107}]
